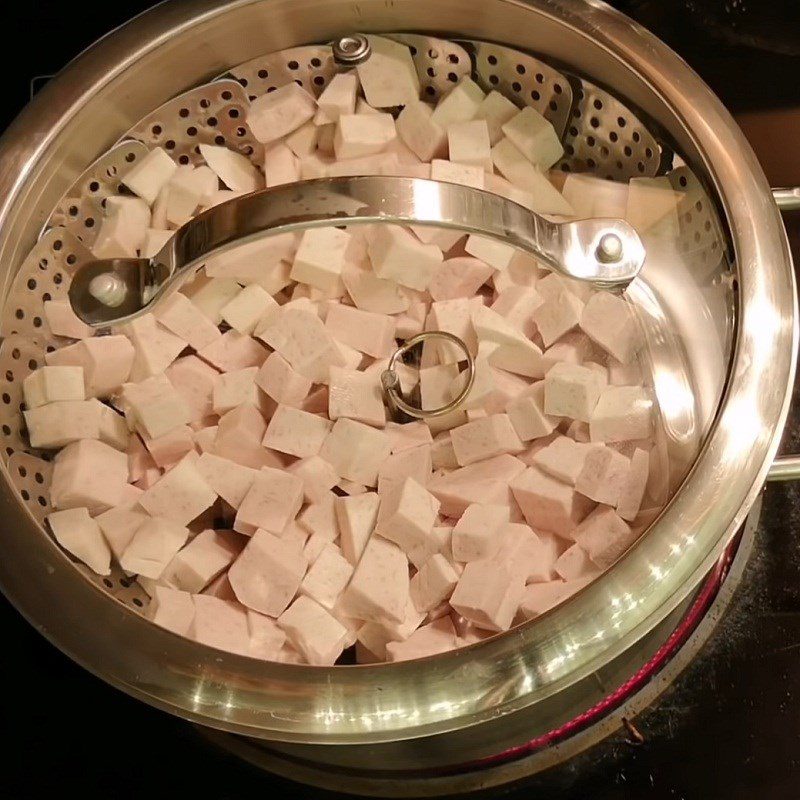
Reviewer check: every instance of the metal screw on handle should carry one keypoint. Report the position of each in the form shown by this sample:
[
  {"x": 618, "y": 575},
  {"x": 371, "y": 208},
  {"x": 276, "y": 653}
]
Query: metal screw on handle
[{"x": 391, "y": 381}]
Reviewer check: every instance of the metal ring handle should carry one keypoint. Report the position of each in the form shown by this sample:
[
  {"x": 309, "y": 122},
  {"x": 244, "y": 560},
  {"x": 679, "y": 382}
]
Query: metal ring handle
[
  {"x": 607, "y": 253},
  {"x": 391, "y": 382}
]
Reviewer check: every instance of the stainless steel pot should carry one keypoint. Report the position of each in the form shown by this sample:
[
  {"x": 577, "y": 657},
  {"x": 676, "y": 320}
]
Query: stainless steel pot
[{"x": 737, "y": 321}]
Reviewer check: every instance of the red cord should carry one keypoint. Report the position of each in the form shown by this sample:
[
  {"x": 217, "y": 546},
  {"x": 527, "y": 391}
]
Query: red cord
[{"x": 664, "y": 653}]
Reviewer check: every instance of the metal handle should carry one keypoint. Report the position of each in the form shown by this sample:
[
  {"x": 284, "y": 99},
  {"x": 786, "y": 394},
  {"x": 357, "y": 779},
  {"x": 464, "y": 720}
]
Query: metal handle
[
  {"x": 787, "y": 198},
  {"x": 786, "y": 468},
  {"x": 605, "y": 252}
]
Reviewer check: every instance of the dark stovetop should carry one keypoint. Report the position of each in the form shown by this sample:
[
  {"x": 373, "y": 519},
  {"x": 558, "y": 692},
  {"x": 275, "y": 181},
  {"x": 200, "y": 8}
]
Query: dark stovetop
[{"x": 729, "y": 728}]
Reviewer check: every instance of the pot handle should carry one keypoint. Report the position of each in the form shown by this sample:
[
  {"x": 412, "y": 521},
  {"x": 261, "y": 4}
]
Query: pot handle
[
  {"x": 787, "y": 467},
  {"x": 606, "y": 252}
]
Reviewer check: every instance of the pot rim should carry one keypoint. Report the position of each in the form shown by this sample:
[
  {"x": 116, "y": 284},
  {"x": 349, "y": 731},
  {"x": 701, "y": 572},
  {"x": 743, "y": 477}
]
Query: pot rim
[{"x": 367, "y": 704}]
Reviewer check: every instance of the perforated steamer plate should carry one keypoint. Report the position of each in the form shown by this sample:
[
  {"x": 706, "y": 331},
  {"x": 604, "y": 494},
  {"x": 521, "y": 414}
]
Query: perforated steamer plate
[{"x": 214, "y": 113}]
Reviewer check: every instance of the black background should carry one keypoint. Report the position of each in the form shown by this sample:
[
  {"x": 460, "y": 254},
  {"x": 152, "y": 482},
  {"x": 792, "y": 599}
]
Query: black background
[{"x": 730, "y": 728}]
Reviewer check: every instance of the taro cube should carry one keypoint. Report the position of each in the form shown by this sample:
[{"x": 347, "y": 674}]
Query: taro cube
[
  {"x": 367, "y": 332},
  {"x": 543, "y": 197},
  {"x": 278, "y": 113},
  {"x": 327, "y": 577},
  {"x": 301, "y": 338},
  {"x": 220, "y": 623},
  {"x": 534, "y": 137},
  {"x": 118, "y": 526},
  {"x": 414, "y": 463},
  {"x": 318, "y": 635},
  {"x": 548, "y": 504},
  {"x": 557, "y": 315},
  {"x": 608, "y": 320},
  {"x": 63, "y": 321},
  {"x": 234, "y": 350},
  {"x": 496, "y": 109},
  {"x": 622, "y": 413},
  {"x": 245, "y": 311},
  {"x": 541, "y": 597},
  {"x": 565, "y": 459},
  {"x": 357, "y": 516},
  {"x": 461, "y": 276},
  {"x": 484, "y": 438},
  {"x": 58, "y": 424},
  {"x": 337, "y": 98},
  {"x": 235, "y": 170},
  {"x": 320, "y": 258},
  {"x": 266, "y": 638},
  {"x": 433, "y": 583},
  {"x": 180, "y": 316},
  {"x": 452, "y": 172},
  {"x": 360, "y": 135},
  {"x": 356, "y": 395},
  {"x": 417, "y": 130},
  {"x": 80, "y": 536},
  {"x": 603, "y": 474},
  {"x": 51, "y": 384},
  {"x": 280, "y": 165},
  {"x": 193, "y": 380},
  {"x": 180, "y": 495},
  {"x": 153, "y": 546},
  {"x": 235, "y": 388},
  {"x": 282, "y": 383},
  {"x": 604, "y": 536},
  {"x": 318, "y": 477},
  {"x": 356, "y": 451},
  {"x": 398, "y": 255},
  {"x": 155, "y": 405},
  {"x": 573, "y": 391},
  {"x": 407, "y": 515},
  {"x": 267, "y": 573},
  {"x": 488, "y": 593},
  {"x": 202, "y": 559},
  {"x": 150, "y": 175},
  {"x": 296, "y": 432},
  {"x": 574, "y": 564},
  {"x": 156, "y": 348},
  {"x": 460, "y": 104},
  {"x": 106, "y": 362},
  {"x": 438, "y": 636},
  {"x": 271, "y": 503},
  {"x": 476, "y": 534},
  {"x": 468, "y": 143},
  {"x": 231, "y": 481},
  {"x": 378, "y": 590},
  {"x": 89, "y": 473},
  {"x": 171, "y": 609},
  {"x": 388, "y": 77}
]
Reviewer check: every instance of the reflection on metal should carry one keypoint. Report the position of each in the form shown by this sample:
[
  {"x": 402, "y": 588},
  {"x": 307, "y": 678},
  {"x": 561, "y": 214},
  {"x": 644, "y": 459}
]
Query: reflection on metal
[{"x": 391, "y": 381}]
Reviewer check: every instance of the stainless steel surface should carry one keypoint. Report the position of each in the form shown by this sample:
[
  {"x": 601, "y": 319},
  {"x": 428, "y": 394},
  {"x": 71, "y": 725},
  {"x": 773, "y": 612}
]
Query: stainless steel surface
[
  {"x": 784, "y": 468},
  {"x": 351, "y": 49},
  {"x": 603, "y": 136},
  {"x": 570, "y": 248},
  {"x": 391, "y": 382},
  {"x": 177, "y": 46},
  {"x": 787, "y": 198}
]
